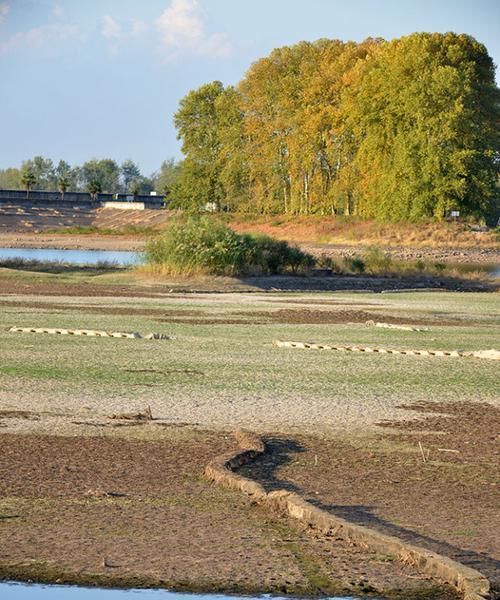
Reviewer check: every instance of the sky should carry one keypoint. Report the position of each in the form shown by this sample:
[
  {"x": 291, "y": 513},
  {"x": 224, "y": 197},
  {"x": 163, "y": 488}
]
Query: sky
[{"x": 103, "y": 78}]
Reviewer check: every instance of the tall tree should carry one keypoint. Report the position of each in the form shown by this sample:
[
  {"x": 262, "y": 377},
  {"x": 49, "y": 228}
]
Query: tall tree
[
  {"x": 425, "y": 110},
  {"x": 105, "y": 171},
  {"x": 129, "y": 172},
  {"x": 165, "y": 179},
  {"x": 10, "y": 179},
  {"x": 28, "y": 179},
  {"x": 94, "y": 188},
  {"x": 62, "y": 185},
  {"x": 196, "y": 122},
  {"x": 43, "y": 170}
]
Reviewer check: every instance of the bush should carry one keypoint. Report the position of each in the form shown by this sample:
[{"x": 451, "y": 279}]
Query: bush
[
  {"x": 376, "y": 261},
  {"x": 206, "y": 246},
  {"x": 355, "y": 264}
]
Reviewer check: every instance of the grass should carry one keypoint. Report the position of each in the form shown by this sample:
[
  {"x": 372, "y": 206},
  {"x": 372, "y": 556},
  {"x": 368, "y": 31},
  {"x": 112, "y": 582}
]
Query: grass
[
  {"x": 204, "y": 246},
  {"x": 57, "y": 266},
  {"x": 127, "y": 229},
  {"x": 350, "y": 231},
  {"x": 373, "y": 260},
  {"x": 239, "y": 367},
  {"x": 358, "y": 232}
]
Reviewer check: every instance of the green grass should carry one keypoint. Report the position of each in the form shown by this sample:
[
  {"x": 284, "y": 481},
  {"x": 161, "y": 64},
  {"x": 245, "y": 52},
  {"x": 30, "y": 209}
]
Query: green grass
[
  {"x": 238, "y": 362},
  {"x": 203, "y": 246},
  {"x": 129, "y": 229}
]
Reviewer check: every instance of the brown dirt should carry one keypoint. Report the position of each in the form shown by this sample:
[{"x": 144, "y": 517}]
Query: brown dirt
[
  {"x": 301, "y": 316},
  {"x": 96, "y": 509},
  {"x": 320, "y": 317},
  {"x": 448, "y": 503},
  {"x": 103, "y": 310},
  {"x": 158, "y": 287}
]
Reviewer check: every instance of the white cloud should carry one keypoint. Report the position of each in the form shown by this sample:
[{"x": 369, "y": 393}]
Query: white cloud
[
  {"x": 4, "y": 11},
  {"x": 110, "y": 28},
  {"x": 182, "y": 27},
  {"x": 44, "y": 38},
  {"x": 138, "y": 27},
  {"x": 57, "y": 11}
]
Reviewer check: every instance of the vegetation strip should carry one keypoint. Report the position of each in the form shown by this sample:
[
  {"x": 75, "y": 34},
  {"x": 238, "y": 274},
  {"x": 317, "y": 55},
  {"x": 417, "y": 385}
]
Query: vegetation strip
[
  {"x": 91, "y": 333},
  {"x": 468, "y": 581},
  {"x": 489, "y": 354}
]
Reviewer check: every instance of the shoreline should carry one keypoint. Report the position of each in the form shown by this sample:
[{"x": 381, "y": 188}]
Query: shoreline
[{"x": 134, "y": 243}]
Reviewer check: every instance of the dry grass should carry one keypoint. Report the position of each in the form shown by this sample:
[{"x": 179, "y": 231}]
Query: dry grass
[{"x": 326, "y": 229}]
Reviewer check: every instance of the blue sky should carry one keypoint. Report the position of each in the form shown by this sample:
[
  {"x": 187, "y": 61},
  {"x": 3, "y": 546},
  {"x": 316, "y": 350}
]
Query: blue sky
[{"x": 102, "y": 78}]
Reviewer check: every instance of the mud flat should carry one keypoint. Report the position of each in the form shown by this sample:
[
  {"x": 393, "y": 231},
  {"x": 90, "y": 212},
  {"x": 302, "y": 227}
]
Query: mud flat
[{"x": 103, "y": 441}]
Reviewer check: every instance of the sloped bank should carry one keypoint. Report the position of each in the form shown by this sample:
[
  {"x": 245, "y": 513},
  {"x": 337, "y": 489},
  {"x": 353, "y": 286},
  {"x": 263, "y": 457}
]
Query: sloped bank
[{"x": 469, "y": 582}]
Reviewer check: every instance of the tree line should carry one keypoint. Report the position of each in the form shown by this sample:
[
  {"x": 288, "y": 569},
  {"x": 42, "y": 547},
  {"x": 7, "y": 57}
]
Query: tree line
[
  {"x": 395, "y": 130},
  {"x": 94, "y": 176}
]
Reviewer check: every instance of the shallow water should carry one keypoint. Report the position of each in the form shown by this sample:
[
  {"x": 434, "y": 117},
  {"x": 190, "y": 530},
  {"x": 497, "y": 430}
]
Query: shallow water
[
  {"x": 29, "y": 591},
  {"x": 79, "y": 257}
]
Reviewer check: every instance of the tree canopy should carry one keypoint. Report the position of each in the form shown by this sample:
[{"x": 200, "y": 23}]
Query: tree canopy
[
  {"x": 110, "y": 176},
  {"x": 405, "y": 129}
]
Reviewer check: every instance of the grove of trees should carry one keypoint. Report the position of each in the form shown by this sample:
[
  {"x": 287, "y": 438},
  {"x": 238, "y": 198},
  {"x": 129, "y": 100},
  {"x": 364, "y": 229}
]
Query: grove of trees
[
  {"x": 405, "y": 129},
  {"x": 104, "y": 175}
]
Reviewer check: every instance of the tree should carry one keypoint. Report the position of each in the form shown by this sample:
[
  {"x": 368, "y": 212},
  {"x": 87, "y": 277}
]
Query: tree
[
  {"x": 10, "y": 179},
  {"x": 62, "y": 185},
  {"x": 43, "y": 170},
  {"x": 134, "y": 187},
  {"x": 406, "y": 129},
  {"x": 105, "y": 171},
  {"x": 196, "y": 122},
  {"x": 28, "y": 179},
  {"x": 71, "y": 174},
  {"x": 130, "y": 172},
  {"x": 165, "y": 179},
  {"x": 425, "y": 112},
  {"x": 93, "y": 188}
]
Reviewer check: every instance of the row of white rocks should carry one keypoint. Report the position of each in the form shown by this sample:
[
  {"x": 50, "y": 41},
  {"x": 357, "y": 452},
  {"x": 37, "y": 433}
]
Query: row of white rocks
[
  {"x": 490, "y": 354},
  {"x": 91, "y": 333}
]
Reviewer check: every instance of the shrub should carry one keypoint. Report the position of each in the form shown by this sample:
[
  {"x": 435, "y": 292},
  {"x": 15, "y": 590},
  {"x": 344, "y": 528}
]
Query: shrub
[
  {"x": 355, "y": 264},
  {"x": 376, "y": 261},
  {"x": 206, "y": 246}
]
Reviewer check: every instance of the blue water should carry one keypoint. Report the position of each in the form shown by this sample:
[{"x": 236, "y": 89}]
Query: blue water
[
  {"x": 29, "y": 591},
  {"x": 78, "y": 257}
]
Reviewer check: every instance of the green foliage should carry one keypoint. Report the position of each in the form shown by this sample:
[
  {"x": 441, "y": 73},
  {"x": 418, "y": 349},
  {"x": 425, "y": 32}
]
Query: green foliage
[
  {"x": 42, "y": 170},
  {"x": 28, "y": 178},
  {"x": 105, "y": 172},
  {"x": 62, "y": 184},
  {"x": 129, "y": 172},
  {"x": 94, "y": 187},
  {"x": 206, "y": 246},
  {"x": 355, "y": 264},
  {"x": 376, "y": 261},
  {"x": 399, "y": 130},
  {"x": 165, "y": 179}
]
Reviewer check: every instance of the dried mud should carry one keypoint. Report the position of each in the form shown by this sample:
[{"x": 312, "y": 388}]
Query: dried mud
[
  {"x": 96, "y": 509},
  {"x": 432, "y": 481}
]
